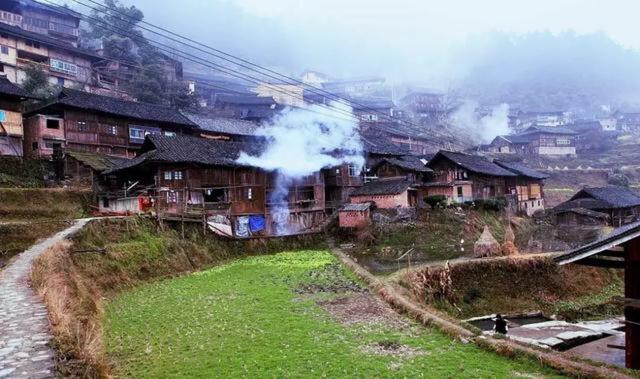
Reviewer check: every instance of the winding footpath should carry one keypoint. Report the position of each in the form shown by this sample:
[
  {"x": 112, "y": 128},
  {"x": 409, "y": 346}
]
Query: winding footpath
[{"x": 24, "y": 325}]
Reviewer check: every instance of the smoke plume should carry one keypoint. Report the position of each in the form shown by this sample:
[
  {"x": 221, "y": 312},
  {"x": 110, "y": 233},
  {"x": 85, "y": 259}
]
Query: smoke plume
[
  {"x": 300, "y": 142},
  {"x": 481, "y": 128}
]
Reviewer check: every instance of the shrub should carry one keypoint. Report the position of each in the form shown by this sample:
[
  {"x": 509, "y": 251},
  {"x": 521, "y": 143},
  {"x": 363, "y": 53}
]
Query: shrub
[
  {"x": 495, "y": 204},
  {"x": 436, "y": 200}
]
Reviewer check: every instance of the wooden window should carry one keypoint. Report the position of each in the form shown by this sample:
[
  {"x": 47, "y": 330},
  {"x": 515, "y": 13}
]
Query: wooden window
[
  {"x": 169, "y": 134},
  {"x": 53, "y": 123},
  {"x": 172, "y": 197},
  {"x": 167, "y": 175},
  {"x": 353, "y": 171},
  {"x": 111, "y": 129},
  {"x": 82, "y": 126},
  {"x": 460, "y": 194},
  {"x": 177, "y": 175},
  {"x": 34, "y": 146}
]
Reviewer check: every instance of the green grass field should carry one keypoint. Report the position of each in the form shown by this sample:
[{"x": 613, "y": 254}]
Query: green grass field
[{"x": 260, "y": 317}]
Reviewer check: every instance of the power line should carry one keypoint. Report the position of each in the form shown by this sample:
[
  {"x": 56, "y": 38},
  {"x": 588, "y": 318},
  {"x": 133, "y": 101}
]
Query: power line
[
  {"x": 313, "y": 89},
  {"x": 187, "y": 56}
]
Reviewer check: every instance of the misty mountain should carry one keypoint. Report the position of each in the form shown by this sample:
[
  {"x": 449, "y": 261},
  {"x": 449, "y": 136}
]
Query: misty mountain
[{"x": 541, "y": 71}]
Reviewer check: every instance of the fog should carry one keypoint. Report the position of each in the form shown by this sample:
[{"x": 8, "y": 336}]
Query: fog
[{"x": 495, "y": 50}]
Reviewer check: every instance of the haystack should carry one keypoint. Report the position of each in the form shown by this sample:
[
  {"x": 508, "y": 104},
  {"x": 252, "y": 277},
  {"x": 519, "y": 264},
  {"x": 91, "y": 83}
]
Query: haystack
[
  {"x": 509, "y": 246},
  {"x": 486, "y": 245}
]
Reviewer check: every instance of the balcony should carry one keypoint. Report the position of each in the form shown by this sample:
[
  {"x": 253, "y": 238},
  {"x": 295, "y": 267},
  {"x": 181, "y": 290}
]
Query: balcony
[{"x": 63, "y": 30}]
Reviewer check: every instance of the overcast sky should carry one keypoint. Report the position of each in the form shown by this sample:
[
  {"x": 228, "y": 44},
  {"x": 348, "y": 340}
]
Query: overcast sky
[{"x": 394, "y": 38}]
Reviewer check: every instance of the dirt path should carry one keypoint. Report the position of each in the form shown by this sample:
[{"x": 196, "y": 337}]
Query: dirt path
[{"x": 24, "y": 325}]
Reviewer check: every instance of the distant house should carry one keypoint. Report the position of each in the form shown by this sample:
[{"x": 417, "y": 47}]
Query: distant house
[
  {"x": 424, "y": 105},
  {"x": 83, "y": 170},
  {"x": 464, "y": 177},
  {"x": 86, "y": 122},
  {"x": 387, "y": 193},
  {"x": 11, "y": 129},
  {"x": 245, "y": 107},
  {"x": 621, "y": 204},
  {"x": 536, "y": 140},
  {"x": 593, "y": 134},
  {"x": 354, "y": 215},
  {"x": 356, "y": 87},
  {"x": 526, "y": 186},
  {"x": 627, "y": 120},
  {"x": 373, "y": 110},
  {"x": 291, "y": 95}
]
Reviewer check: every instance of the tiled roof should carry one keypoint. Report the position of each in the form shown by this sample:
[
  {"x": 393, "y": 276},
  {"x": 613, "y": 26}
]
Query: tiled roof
[
  {"x": 520, "y": 169},
  {"x": 377, "y": 143},
  {"x": 585, "y": 125},
  {"x": 613, "y": 196},
  {"x": 584, "y": 212},
  {"x": 119, "y": 107},
  {"x": 357, "y": 207},
  {"x": 408, "y": 162},
  {"x": 187, "y": 149},
  {"x": 383, "y": 187},
  {"x": 9, "y": 89},
  {"x": 517, "y": 138},
  {"x": 222, "y": 124},
  {"x": 547, "y": 130},
  {"x": 584, "y": 203},
  {"x": 473, "y": 163}
]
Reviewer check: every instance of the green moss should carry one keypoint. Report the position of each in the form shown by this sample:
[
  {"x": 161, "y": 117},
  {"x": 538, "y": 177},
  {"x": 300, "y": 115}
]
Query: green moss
[{"x": 245, "y": 319}]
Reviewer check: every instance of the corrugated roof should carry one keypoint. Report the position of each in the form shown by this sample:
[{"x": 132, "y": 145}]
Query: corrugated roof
[
  {"x": 119, "y": 107},
  {"x": 383, "y": 187},
  {"x": 223, "y": 124},
  {"x": 613, "y": 196},
  {"x": 473, "y": 163},
  {"x": 617, "y": 237},
  {"x": 97, "y": 162},
  {"x": 520, "y": 169}
]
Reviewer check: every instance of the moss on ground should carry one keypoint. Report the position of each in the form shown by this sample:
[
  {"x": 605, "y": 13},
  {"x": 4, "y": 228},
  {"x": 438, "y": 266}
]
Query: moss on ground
[{"x": 246, "y": 319}]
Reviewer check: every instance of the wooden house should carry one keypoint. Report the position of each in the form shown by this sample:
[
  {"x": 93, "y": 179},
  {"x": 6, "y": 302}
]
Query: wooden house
[
  {"x": 464, "y": 177},
  {"x": 198, "y": 179},
  {"x": 11, "y": 129},
  {"x": 409, "y": 166},
  {"x": 387, "y": 193},
  {"x": 81, "y": 121},
  {"x": 245, "y": 107},
  {"x": 580, "y": 217},
  {"x": 527, "y": 186},
  {"x": 621, "y": 204},
  {"x": 536, "y": 140}
]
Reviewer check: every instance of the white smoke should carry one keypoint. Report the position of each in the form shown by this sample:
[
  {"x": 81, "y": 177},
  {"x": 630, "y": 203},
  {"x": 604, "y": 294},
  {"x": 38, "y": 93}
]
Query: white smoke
[
  {"x": 485, "y": 128},
  {"x": 301, "y": 142}
]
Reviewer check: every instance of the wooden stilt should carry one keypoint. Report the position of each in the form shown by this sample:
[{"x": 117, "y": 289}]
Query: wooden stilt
[{"x": 631, "y": 313}]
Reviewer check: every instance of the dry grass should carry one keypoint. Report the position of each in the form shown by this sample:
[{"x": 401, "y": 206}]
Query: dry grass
[{"x": 75, "y": 312}]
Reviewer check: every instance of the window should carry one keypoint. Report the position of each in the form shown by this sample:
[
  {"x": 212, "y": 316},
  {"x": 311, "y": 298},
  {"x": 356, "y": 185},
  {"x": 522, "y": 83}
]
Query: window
[
  {"x": 52, "y": 145},
  {"x": 172, "y": 197},
  {"x": 82, "y": 126},
  {"x": 3, "y": 35},
  {"x": 167, "y": 175},
  {"x": 563, "y": 141},
  {"x": 1, "y": 67},
  {"x": 170, "y": 134},
  {"x": 105, "y": 202},
  {"x": 33, "y": 44},
  {"x": 215, "y": 195},
  {"x": 53, "y": 123},
  {"x": 136, "y": 133},
  {"x": 37, "y": 22},
  {"x": 34, "y": 146},
  {"x": 248, "y": 194},
  {"x": 3, "y": 116},
  {"x": 60, "y": 81},
  {"x": 459, "y": 191},
  {"x": 111, "y": 129},
  {"x": 353, "y": 171},
  {"x": 4, "y": 49},
  {"x": 177, "y": 175}
]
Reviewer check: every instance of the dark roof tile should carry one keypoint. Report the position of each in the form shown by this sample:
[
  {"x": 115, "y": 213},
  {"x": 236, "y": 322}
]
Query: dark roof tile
[
  {"x": 383, "y": 187},
  {"x": 473, "y": 163},
  {"x": 9, "y": 89},
  {"x": 223, "y": 124},
  {"x": 520, "y": 169},
  {"x": 613, "y": 196}
]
